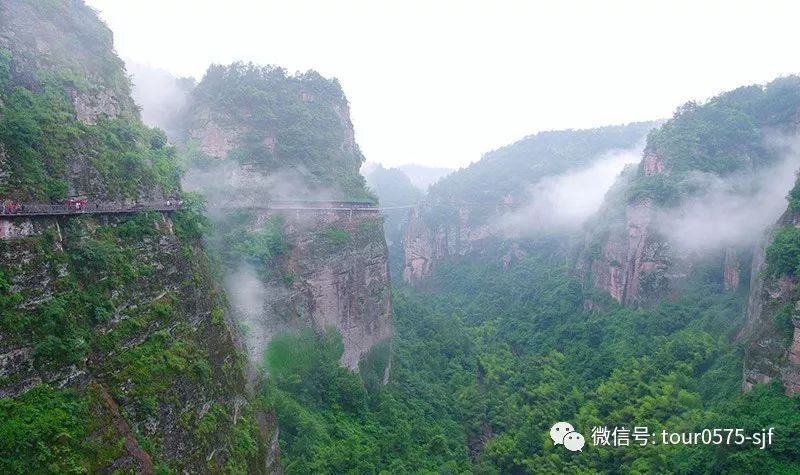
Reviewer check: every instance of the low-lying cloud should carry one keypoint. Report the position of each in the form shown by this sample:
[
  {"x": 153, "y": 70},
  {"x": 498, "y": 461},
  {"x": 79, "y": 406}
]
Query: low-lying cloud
[
  {"x": 564, "y": 202},
  {"x": 230, "y": 185},
  {"x": 734, "y": 210},
  {"x": 160, "y": 95}
]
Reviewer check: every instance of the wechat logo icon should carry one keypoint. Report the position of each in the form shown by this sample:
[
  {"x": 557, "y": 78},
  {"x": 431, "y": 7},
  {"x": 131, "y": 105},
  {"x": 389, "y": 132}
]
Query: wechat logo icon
[{"x": 563, "y": 433}]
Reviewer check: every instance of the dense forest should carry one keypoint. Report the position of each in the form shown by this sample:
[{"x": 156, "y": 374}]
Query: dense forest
[
  {"x": 248, "y": 338},
  {"x": 274, "y": 122},
  {"x": 487, "y": 355},
  {"x": 487, "y": 360},
  {"x": 510, "y": 169}
]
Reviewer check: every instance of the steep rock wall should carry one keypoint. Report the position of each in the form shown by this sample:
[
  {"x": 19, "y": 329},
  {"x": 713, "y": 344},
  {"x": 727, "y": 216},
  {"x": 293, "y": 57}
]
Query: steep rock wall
[
  {"x": 772, "y": 328},
  {"x": 115, "y": 321},
  {"x": 489, "y": 208},
  {"x": 335, "y": 274},
  {"x": 89, "y": 307},
  {"x": 293, "y": 140},
  {"x": 434, "y": 233}
]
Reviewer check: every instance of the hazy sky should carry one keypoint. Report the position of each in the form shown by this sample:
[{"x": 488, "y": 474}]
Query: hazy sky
[{"x": 442, "y": 82}]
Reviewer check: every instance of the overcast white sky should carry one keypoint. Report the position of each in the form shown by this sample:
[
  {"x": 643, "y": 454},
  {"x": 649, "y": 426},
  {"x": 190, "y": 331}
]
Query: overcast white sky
[{"x": 442, "y": 82}]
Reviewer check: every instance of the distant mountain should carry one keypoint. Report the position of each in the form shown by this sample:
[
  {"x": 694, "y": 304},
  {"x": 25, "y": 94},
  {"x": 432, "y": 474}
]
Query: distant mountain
[
  {"x": 422, "y": 177},
  {"x": 394, "y": 188},
  {"x": 466, "y": 210}
]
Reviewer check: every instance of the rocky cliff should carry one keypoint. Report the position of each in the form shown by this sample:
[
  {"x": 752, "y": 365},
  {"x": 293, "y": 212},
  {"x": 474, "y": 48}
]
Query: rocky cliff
[
  {"x": 626, "y": 255},
  {"x": 254, "y": 135},
  {"x": 116, "y": 352},
  {"x": 334, "y": 273},
  {"x": 721, "y": 166},
  {"x": 82, "y": 135},
  {"x": 437, "y": 232},
  {"x": 772, "y": 329},
  {"x": 267, "y": 121},
  {"x": 487, "y": 207}
]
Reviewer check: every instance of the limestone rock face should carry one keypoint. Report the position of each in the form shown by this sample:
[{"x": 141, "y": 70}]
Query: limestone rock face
[
  {"x": 168, "y": 308},
  {"x": 436, "y": 233},
  {"x": 635, "y": 264},
  {"x": 772, "y": 344},
  {"x": 340, "y": 282}
]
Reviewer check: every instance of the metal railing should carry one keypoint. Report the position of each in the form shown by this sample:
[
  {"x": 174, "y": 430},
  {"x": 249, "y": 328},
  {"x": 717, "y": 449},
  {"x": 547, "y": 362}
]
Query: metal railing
[{"x": 40, "y": 209}]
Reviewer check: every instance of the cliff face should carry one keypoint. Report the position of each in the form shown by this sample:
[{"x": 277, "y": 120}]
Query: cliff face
[
  {"x": 486, "y": 208},
  {"x": 439, "y": 232},
  {"x": 115, "y": 353},
  {"x": 325, "y": 268},
  {"x": 631, "y": 260},
  {"x": 772, "y": 329},
  {"x": 130, "y": 324},
  {"x": 335, "y": 273},
  {"x": 82, "y": 134},
  {"x": 266, "y": 121},
  {"x": 669, "y": 214}
]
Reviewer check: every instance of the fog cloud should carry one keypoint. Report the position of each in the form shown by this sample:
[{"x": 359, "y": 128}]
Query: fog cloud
[
  {"x": 734, "y": 210},
  {"x": 564, "y": 202},
  {"x": 230, "y": 185},
  {"x": 249, "y": 299},
  {"x": 160, "y": 95}
]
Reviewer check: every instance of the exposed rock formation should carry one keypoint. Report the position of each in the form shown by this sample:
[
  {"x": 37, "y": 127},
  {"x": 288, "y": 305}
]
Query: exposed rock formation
[
  {"x": 173, "y": 306},
  {"x": 339, "y": 278},
  {"x": 634, "y": 263},
  {"x": 481, "y": 210},
  {"x": 732, "y": 269},
  {"x": 90, "y": 107},
  {"x": 773, "y": 342},
  {"x": 335, "y": 273},
  {"x": 214, "y": 140},
  {"x": 653, "y": 164},
  {"x": 117, "y": 315},
  {"x": 43, "y": 39},
  {"x": 434, "y": 233}
]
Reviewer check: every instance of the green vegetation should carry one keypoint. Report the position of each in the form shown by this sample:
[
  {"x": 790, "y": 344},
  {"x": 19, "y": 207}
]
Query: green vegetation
[
  {"x": 39, "y": 130},
  {"x": 237, "y": 239},
  {"x": 794, "y": 197},
  {"x": 43, "y": 432},
  {"x": 295, "y": 123},
  {"x": 511, "y": 169},
  {"x": 149, "y": 354},
  {"x": 97, "y": 262},
  {"x": 783, "y": 253},
  {"x": 191, "y": 222},
  {"x": 487, "y": 362},
  {"x": 100, "y": 306},
  {"x": 331, "y": 424},
  {"x": 335, "y": 236},
  {"x": 727, "y": 134}
]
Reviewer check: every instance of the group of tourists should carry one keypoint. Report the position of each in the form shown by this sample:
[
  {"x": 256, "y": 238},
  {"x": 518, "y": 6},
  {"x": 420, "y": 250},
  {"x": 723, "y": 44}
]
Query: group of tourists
[
  {"x": 79, "y": 205},
  {"x": 12, "y": 207}
]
